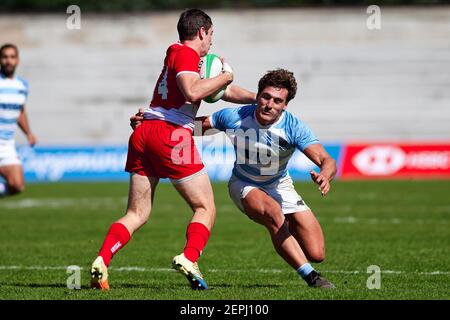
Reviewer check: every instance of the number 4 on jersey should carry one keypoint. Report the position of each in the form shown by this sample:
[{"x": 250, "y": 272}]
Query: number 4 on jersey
[{"x": 162, "y": 87}]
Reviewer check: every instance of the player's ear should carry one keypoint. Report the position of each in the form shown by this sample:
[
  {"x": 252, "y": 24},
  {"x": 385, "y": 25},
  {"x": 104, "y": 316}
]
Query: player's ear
[{"x": 202, "y": 33}]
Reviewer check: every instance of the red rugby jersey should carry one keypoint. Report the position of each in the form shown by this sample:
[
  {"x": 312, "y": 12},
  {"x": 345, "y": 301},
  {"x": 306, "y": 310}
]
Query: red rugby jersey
[{"x": 168, "y": 102}]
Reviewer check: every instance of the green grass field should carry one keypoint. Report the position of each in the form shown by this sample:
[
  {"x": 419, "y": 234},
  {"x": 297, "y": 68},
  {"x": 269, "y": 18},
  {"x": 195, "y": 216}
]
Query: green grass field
[{"x": 400, "y": 226}]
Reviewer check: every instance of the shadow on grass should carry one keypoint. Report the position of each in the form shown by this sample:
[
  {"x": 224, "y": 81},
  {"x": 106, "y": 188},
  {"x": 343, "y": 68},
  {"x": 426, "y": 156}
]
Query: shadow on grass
[
  {"x": 40, "y": 285},
  {"x": 141, "y": 286},
  {"x": 247, "y": 286},
  {"x": 186, "y": 286}
]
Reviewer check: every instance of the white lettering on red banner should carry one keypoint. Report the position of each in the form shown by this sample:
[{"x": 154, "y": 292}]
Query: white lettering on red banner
[{"x": 391, "y": 160}]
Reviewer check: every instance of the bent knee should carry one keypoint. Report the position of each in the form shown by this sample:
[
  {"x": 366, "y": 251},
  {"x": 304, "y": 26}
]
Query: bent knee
[
  {"x": 316, "y": 256},
  {"x": 269, "y": 218}
]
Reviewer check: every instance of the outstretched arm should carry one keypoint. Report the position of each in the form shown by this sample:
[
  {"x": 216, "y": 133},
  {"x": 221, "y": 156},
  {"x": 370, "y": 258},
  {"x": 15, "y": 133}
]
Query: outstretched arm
[
  {"x": 317, "y": 154},
  {"x": 236, "y": 94},
  {"x": 204, "y": 122},
  {"x": 22, "y": 121},
  {"x": 206, "y": 126}
]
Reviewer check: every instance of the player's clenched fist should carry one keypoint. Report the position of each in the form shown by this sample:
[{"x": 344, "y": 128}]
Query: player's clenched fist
[{"x": 322, "y": 181}]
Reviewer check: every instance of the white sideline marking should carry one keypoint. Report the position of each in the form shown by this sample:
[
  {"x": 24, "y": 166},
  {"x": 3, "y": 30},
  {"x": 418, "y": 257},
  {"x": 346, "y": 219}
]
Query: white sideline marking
[
  {"x": 369, "y": 220},
  {"x": 102, "y": 202},
  {"x": 143, "y": 269},
  {"x": 63, "y": 202}
]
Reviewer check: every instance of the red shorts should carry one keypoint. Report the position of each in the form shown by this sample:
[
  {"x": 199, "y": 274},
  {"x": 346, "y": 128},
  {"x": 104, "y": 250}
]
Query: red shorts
[{"x": 163, "y": 150}]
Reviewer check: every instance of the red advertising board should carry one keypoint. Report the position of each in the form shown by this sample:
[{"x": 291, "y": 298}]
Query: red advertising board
[{"x": 391, "y": 160}]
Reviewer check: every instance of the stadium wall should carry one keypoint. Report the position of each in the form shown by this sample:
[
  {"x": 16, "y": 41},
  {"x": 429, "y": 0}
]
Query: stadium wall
[
  {"x": 390, "y": 84},
  {"x": 355, "y": 161},
  {"x": 357, "y": 86}
]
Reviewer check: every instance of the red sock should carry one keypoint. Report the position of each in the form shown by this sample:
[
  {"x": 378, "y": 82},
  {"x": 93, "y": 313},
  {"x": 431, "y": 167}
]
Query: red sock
[
  {"x": 196, "y": 237},
  {"x": 118, "y": 236}
]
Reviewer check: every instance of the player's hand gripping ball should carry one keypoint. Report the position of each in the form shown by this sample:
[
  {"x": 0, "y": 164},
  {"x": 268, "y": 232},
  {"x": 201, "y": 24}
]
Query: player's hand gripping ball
[{"x": 212, "y": 66}]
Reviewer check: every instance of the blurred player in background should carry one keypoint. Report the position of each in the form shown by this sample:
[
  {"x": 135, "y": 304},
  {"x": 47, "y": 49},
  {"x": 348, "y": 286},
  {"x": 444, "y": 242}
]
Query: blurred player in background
[
  {"x": 163, "y": 147},
  {"x": 265, "y": 136},
  {"x": 13, "y": 96}
]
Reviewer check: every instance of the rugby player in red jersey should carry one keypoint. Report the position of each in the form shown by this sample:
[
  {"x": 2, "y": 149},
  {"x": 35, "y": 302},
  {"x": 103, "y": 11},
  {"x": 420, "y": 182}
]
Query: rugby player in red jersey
[{"x": 163, "y": 147}]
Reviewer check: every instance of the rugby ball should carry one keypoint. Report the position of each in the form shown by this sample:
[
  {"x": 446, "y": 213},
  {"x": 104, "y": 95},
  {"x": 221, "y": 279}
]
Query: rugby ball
[{"x": 211, "y": 66}]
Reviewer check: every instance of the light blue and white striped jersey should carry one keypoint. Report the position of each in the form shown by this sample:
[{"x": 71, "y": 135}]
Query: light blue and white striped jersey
[
  {"x": 13, "y": 96},
  {"x": 262, "y": 152}
]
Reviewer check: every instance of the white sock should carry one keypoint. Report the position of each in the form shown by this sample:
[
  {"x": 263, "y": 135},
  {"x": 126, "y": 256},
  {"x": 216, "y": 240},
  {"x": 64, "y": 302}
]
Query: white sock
[{"x": 305, "y": 270}]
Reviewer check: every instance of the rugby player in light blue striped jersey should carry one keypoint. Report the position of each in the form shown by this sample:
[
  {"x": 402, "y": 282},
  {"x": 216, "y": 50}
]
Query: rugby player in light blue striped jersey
[
  {"x": 264, "y": 136},
  {"x": 13, "y": 96}
]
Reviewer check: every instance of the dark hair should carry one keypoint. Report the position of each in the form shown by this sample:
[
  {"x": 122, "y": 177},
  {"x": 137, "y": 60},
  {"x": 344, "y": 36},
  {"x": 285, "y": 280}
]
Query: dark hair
[
  {"x": 190, "y": 22},
  {"x": 7, "y": 46},
  {"x": 279, "y": 78}
]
